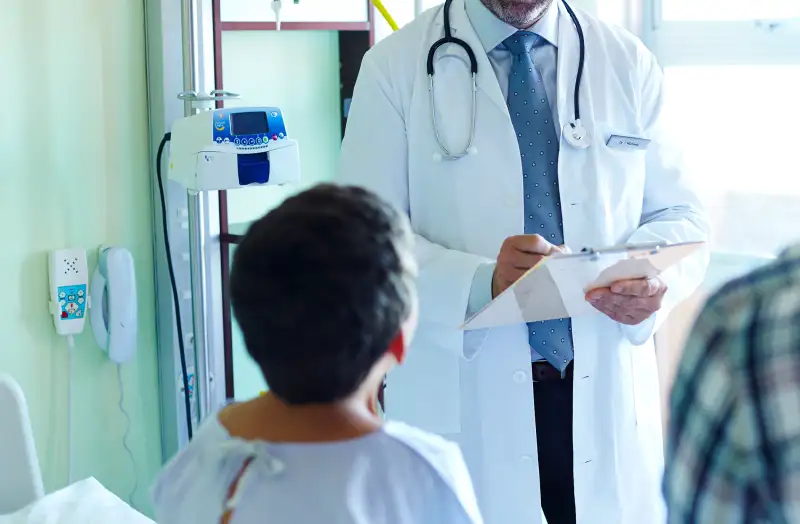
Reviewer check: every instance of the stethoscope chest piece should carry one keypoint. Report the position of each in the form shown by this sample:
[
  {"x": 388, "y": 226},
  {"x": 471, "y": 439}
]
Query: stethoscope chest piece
[{"x": 577, "y": 136}]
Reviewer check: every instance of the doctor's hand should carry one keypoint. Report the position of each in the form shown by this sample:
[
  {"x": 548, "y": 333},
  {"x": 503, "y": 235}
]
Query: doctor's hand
[
  {"x": 629, "y": 302},
  {"x": 517, "y": 255}
]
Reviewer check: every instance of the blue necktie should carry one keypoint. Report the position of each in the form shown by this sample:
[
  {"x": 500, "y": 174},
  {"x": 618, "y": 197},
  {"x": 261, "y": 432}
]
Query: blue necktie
[{"x": 538, "y": 145}]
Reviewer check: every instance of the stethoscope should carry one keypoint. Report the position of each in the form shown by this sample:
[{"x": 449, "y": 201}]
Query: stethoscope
[{"x": 574, "y": 133}]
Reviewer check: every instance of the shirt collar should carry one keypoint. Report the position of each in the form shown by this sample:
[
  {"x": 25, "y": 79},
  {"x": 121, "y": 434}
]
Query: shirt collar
[{"x": 492, "y": 31}]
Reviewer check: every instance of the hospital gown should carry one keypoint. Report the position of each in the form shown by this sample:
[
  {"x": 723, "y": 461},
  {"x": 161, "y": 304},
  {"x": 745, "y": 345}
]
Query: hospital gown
[{"x": 396, "y": 475}]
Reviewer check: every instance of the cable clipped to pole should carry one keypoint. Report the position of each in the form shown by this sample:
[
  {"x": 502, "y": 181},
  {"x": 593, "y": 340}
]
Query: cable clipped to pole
[{"x": 176, "y": 303}]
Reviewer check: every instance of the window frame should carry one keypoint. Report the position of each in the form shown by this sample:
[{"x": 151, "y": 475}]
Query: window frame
[{"x": 724, "y": 42}]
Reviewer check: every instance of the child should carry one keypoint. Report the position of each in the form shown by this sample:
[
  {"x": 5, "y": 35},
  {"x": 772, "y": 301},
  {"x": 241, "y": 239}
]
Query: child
[{"x": 323, "y": 290}]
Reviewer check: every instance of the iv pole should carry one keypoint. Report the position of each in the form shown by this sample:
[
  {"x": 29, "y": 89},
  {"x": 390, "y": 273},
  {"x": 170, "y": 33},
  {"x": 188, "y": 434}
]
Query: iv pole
[
  {"x": 199, "y": 216},
  {"x": 180, "y": 61},
  {"x": 197, "y": 343}
]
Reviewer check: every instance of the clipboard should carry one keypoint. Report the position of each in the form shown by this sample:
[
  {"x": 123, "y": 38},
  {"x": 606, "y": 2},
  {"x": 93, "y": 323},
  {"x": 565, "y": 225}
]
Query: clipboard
[{"x": 556, "y": 287}]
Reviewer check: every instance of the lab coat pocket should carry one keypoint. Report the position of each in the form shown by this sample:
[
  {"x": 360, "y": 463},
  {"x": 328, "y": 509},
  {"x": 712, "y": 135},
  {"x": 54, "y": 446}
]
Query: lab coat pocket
[
  {"x": 623, "y": 152},
  {"x": 425, "y": 391},
  {"x": 628, "y": 142},
  {"x": 621, "y": 172},
  {"x": 473, "y": 342},
  {"x": 647, "y": 403},
  {"x": 632, "y": 367},
  {"x": 646, "y": 390}
]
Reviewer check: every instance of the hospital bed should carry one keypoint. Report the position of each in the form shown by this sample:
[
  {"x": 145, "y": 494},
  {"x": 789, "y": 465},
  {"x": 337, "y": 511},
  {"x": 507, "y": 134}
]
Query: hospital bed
[{"x": 22, "y": 496}]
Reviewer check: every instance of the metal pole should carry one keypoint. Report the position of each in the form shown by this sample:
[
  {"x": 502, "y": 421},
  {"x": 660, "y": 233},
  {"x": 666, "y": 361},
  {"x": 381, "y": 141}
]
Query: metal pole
[
  {"x": 418, "y": 8},
  {"x": 197, "y": 260},
  {"x": 197, "y": 220},
  {"x": 190, "y": 76}
]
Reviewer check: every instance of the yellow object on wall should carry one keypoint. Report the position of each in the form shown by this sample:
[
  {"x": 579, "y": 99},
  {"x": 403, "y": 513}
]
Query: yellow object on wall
[
  {"x": 75, "y": 173},
  {"x": 385, "y": 13}
]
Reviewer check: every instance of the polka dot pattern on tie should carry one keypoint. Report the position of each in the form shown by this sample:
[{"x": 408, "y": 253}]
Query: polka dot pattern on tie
[{"x": 536, "y": 134}]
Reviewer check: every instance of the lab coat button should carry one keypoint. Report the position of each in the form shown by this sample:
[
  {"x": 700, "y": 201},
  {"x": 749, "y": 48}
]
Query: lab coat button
[
  {"x": 520, "y": 377},
  {"x": 526, "y": 459}
]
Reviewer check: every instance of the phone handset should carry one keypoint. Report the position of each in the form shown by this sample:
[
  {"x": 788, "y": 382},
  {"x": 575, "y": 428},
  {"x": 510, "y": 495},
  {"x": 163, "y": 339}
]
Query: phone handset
[{"x": 114, "y": 315}]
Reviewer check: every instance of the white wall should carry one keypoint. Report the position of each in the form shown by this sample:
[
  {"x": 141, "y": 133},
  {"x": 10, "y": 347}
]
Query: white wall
[{"x": 76, "y": 173}]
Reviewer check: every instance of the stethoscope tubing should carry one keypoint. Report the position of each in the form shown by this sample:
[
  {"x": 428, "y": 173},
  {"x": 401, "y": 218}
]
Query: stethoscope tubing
[{"x": 448, "y": 38}]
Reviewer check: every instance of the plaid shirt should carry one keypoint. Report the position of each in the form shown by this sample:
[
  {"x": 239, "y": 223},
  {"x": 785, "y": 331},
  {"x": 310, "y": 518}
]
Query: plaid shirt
[{"x": 734, "y": 438}]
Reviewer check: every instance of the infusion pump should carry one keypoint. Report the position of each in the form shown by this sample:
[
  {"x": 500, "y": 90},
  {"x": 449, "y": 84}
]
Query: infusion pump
[{"x": 232, "y": 148}]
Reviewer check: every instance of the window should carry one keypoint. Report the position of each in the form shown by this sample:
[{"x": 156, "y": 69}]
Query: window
[
  {"x": 737, "y": 128},
  {"x": 732, "y": 70},
  {"x": 727, "y": 10}
]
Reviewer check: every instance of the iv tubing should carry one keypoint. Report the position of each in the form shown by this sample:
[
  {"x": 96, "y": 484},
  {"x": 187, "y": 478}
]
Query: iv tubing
[{"x": 382, "y": 9}]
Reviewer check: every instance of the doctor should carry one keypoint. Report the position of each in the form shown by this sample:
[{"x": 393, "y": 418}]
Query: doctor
[{"x": 534, "y": 174}]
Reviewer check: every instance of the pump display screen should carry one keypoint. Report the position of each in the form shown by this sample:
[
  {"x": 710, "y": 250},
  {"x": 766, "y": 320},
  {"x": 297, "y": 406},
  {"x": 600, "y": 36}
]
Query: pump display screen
[{"x": 252, "y": 123}]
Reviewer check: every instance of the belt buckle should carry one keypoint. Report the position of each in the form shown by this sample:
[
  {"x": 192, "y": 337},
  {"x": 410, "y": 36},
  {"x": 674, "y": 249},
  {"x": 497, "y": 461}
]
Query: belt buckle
[
  {"x": 534, "y": 366},
  {"x": 533, "y": 372},
  {"x": 562, "y": 373}
]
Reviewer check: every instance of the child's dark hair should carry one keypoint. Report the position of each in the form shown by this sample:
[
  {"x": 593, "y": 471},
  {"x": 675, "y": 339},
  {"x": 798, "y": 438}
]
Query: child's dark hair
[{"x": 320, "y": 287}]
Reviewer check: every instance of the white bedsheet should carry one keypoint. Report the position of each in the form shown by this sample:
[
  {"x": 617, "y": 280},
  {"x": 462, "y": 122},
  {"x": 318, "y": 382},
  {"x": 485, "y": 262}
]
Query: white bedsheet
[{"x": 85, "y": 502}]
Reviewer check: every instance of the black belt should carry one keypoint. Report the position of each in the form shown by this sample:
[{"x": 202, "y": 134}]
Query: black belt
[{"x": 543, "y": 371}]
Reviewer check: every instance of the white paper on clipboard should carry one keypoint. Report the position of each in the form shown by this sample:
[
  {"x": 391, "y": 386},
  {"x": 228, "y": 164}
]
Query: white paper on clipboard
[{"x": 557, "y": 286}]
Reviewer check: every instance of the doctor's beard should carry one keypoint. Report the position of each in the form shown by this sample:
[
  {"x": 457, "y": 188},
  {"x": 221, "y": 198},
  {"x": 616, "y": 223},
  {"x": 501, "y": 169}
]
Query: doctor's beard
[{"x": 518, "y": 13}]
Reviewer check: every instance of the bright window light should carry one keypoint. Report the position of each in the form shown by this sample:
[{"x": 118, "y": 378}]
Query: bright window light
[{"x": 729, "y": 10}]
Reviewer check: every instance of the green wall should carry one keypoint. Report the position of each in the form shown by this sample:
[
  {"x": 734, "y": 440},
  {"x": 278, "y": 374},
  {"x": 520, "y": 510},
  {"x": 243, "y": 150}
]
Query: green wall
[
  {"x": 297, "y": 71},
  {"x": 74, "y": 173}
]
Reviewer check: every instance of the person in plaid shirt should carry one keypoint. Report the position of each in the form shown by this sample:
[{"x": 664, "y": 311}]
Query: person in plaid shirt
[{"x": 734, "y": 437}]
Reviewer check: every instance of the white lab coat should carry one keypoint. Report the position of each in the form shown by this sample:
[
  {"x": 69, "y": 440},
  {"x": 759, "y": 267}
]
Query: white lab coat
[{"x": 475, "y": 388}]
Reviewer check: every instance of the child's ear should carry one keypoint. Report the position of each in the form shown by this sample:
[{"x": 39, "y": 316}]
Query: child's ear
[
  {"x": 374, "y": 401},
  {"x": 398, "y": 348}
]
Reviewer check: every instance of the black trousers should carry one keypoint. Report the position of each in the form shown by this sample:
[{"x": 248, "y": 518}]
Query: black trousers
[{"x": 553, "y": 405}]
